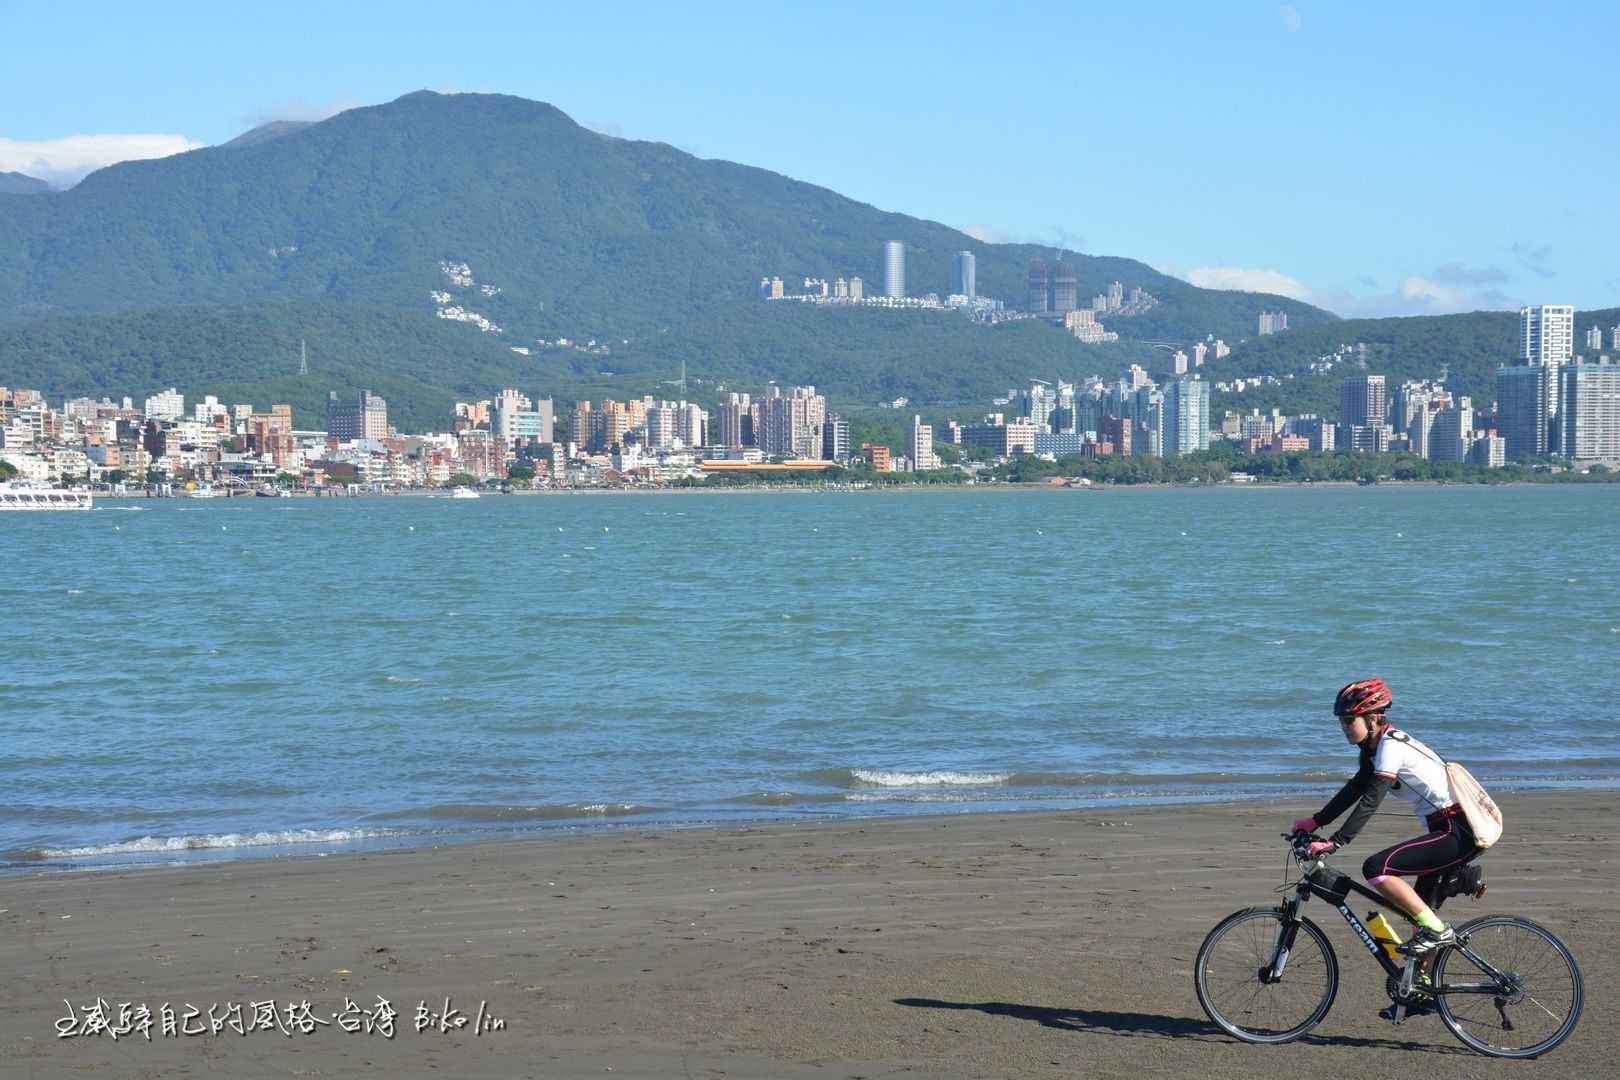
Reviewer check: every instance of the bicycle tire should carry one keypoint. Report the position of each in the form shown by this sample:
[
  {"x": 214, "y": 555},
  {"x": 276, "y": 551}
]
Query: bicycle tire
[
  {"x": 1258, "y": 949},
  {"x": 1509, "y": 952}
]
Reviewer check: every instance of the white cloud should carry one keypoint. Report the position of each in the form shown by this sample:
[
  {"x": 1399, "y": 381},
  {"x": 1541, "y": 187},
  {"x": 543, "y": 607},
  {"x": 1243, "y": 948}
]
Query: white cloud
[
  {"x": 64, "y": 162},
  {"x": 1290, "y": 17},
  {"x": 1246, "y": 280},
  {"x": 984, "y": 234},
  {"x": 1450, "y": 289}
]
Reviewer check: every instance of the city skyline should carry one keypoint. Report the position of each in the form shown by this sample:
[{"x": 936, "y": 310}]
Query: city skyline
[{"x": 1422, "y": 236}]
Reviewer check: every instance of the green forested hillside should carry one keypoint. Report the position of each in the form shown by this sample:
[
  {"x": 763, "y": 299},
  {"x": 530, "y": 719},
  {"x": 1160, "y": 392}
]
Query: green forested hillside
[
  {"x": 421, "y": 364},
  {"x": 1469, "y": 348},
  {"x": 15, "y": 183},
  {"x": 584, "y": 234}
]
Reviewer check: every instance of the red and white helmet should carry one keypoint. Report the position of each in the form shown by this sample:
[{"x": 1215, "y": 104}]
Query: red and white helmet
[{"x": 1363, "y": 698}]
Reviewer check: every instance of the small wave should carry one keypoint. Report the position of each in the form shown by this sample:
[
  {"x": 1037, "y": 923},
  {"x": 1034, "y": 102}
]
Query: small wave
[
  {"x": 895, "y": 778},
  {"x": 543, "y": 812},
  {"x": 159, "y": 844}
]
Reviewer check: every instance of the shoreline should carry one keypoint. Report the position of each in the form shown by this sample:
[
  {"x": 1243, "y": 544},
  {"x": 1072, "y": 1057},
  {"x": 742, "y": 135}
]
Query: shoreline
[
  {"x": 1030, "y": 944},
  {"x": 870, "y": 488}
]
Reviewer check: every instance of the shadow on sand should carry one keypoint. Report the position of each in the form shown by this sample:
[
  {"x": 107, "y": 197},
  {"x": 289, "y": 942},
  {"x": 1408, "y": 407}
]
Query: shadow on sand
[{"x": 1148, "y": 1025}]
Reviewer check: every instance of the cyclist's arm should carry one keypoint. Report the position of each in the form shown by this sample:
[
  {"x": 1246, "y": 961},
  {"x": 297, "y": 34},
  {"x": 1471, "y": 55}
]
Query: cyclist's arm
[
  {"x": 1348, "y": 794},
  {"x": 1376, "y": 789}
]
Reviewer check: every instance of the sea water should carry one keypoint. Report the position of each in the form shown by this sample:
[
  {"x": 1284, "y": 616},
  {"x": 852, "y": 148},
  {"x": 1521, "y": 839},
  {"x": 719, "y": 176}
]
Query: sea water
[{"x": 250, "y": 677}]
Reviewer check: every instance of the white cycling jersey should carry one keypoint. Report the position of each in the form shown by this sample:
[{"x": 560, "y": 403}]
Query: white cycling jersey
[{"x": 1420, "y": 775}]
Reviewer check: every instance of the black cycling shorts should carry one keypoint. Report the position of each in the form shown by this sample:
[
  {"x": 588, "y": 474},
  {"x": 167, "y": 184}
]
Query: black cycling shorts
[{"x": 1425, "y": 856}]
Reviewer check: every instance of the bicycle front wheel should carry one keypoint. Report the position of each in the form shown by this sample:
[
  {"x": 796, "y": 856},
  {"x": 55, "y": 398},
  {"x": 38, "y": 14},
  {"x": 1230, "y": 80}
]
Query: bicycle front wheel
[
  {"x": 1528, "y": 992},
  {"x": 1234, "y": 980}
]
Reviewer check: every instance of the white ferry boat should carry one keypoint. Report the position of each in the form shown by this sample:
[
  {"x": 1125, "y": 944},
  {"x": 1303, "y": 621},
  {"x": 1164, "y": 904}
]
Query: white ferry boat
[
  {"x": 16, "y": 495},
  {"x": 464, "y": 493}
]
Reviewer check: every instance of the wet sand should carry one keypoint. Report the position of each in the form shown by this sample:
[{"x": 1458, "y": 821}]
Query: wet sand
[{"x": 1052, "y": 944}]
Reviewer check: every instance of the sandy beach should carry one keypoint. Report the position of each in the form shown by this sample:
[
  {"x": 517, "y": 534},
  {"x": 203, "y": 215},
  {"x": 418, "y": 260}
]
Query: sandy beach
[{"x": 1052, "y": 944}]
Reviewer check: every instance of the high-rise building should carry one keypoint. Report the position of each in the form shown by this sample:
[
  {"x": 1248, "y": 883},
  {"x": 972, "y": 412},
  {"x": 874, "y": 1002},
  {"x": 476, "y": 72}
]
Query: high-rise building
[
  {"x": 964, "y": 276},
  {"x": 894, "y": 269},
  {"x": 1186, "y": 417},
  {"x": 1116, "y": 296},
  {"x": 1546, "y": 335},
  {"x": 1594, "y": 336},
  {"x": 1451, "y": 435},
  {"x": 1526, "y": 401},
  {"x": 1039, "y": 282},
  {"x": 1116, "y": 430},
  {"x": 366, "y": 417},
  {"x": 1589, "y": 412},
  {"x": 1039, "y": 401},
  {"x": 857, "y": 290},
  {"x": 1362, "y": 402},
  {"x": 835, "y": 439},
  {"x": 790, "y": 426},
  {"x": 734, "y": 420},
  {"x": 1065, "y": 288},
  {"x": 1273, "y": 322},
  {"x": 1614, "y": 338},
  {"x": 1200, "y": 350},
  {"x": 920, "y": 448},
  {"x": 1318, "y": 431}
]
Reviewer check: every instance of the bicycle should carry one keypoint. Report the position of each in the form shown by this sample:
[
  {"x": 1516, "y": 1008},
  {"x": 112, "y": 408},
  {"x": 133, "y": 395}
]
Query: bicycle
[{"x": 1519, "y": 992}]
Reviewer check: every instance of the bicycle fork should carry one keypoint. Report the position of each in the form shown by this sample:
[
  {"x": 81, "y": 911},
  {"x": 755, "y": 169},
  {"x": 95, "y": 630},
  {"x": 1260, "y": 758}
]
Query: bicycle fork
[{"x": 1273, "y": 972}]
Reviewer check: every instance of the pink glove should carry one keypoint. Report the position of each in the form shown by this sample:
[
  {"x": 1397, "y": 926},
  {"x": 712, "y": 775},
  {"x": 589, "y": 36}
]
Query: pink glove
[
  {"x": 1305, "y": 824},
  {"x": 1320, "y": 847}
]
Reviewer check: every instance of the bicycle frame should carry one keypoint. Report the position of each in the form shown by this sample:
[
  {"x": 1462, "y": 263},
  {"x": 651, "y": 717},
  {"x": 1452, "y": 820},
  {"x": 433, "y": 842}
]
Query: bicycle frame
[{"x": 1308, "y": 885}]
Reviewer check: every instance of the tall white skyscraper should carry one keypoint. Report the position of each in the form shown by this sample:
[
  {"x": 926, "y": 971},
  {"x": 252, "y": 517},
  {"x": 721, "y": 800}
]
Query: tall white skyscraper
[
  {"x": 894, "y": 269},
  {"x": 1186, "y": 417},
  {"x": 921, "y": 447},
  {"x": 1546, "y": 334}
]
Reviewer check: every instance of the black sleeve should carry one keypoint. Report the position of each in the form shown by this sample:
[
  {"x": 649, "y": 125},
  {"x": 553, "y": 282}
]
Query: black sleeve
[
  {"x": 1348, "y": 794},
  {"x": 1374, "y": 794}
]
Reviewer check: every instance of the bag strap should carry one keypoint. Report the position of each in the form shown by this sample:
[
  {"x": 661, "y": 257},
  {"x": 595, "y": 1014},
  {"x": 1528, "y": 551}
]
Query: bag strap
[{"x": 1419, "y": 747}]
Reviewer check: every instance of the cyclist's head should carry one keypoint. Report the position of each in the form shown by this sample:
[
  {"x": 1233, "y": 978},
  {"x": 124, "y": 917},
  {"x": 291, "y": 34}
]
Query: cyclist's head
[{"x": 1366, "y": 697}]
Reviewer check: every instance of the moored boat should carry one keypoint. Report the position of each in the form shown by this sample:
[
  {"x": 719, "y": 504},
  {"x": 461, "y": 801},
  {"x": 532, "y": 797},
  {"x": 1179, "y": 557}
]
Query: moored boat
[{"x": 15, "y": 495}]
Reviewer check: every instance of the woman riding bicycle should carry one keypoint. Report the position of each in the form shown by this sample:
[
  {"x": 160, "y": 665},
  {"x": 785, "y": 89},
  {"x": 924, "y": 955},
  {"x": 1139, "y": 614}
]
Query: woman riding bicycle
[{"x": 1391, "y": 760}]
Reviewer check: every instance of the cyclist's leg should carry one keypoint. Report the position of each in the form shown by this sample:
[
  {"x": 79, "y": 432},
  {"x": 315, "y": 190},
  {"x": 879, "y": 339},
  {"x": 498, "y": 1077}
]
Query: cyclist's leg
[{"x": 1421, "y": 857}]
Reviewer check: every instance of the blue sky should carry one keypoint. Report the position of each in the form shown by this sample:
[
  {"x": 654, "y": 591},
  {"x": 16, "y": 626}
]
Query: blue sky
[{"x": 1372, "y": 158}]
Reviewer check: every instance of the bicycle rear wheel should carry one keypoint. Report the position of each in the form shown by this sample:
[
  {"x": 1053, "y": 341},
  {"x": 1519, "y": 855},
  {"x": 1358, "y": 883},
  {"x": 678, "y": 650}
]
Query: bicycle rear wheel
[
  {"x": 1538, "y": 993},
  {"x": 1233, "y": 981}
]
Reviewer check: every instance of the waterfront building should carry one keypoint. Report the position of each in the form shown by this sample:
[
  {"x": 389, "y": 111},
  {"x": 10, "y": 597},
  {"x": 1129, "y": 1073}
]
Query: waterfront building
[
  {"x": 1451, "y": 434},
  {"x": 515, "y": 419},
  {"x": 1526, "y": 401},
  {"x": 964, "y": 276},
  {"x": 736, "y": 423},
  {"x": 366, "y": 417},
  {"x": 857, "y": 290},
  {"x": 1489, "y": 450},
  {"x": 920, "y": 447},
  {"x": 1060, "y": 443},
  {"x": 876, "y": 456},
  {"x": 790, "y": 426},
  {"x": 835, "y": 439},
  {"x": 1039, "y": 402},
  {"x": 1001, "y": 437},
  {"x": 1117, "y": 430},
  {"x": 1362, "y": 401},
  {"x": 1589, "y": 412},
  {"x": 894, "y": 269},
  {"x": 1316, "y": 429},
  {"x": 1186, "y": 417},
  {"x": 1546, "y": 334}
]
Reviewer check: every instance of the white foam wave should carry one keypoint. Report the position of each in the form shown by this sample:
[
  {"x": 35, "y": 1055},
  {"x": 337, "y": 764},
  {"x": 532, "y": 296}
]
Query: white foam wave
[
  {"x": 937, "y": 778},
  {"x": 160, "y": 844}
]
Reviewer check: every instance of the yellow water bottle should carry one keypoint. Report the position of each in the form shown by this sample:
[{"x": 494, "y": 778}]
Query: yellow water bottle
[{"x": 1384, "y": 934}]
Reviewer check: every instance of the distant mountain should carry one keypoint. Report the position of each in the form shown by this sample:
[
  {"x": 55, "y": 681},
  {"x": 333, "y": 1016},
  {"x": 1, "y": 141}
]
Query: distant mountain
[
  {"x": 16, "y": 183},
  {"x": 509, "y": 210},
  {"x": 265, "y": 132}
]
